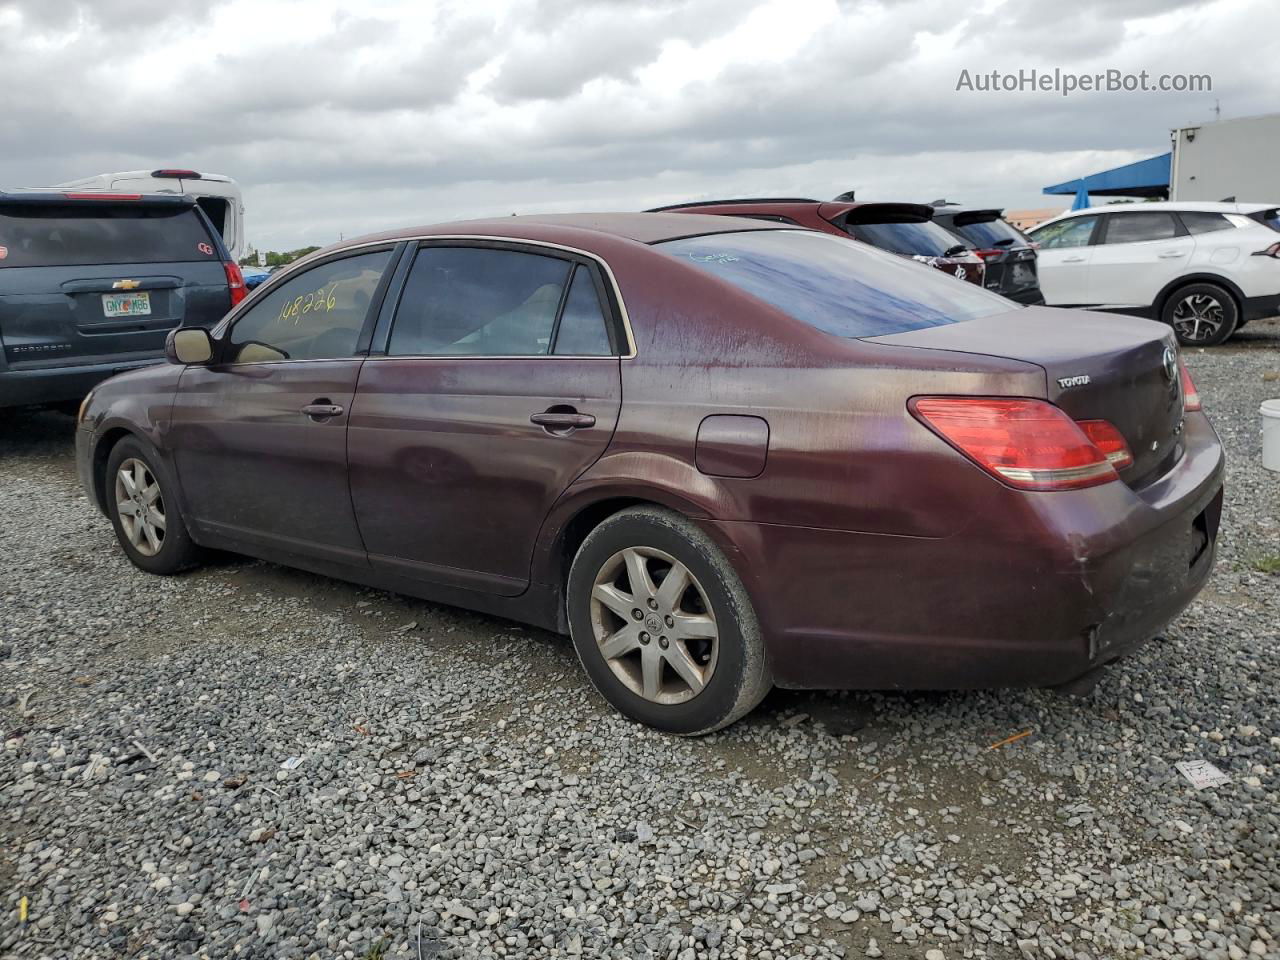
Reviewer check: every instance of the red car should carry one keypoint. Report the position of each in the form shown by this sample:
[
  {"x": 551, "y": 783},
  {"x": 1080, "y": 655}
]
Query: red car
[
  {"x": 722, "y": 454},
  {"x": 906, "y": 229}
]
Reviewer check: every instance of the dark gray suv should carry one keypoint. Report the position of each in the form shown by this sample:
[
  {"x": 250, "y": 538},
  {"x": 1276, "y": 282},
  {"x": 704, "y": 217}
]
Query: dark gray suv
[
  {"x": 1010, "y": 257},
  {"x": 91, "y": 283}
]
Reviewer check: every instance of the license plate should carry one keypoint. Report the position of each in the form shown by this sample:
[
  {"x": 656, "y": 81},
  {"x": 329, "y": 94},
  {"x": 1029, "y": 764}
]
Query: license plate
[{"x": 126, "y": 304}]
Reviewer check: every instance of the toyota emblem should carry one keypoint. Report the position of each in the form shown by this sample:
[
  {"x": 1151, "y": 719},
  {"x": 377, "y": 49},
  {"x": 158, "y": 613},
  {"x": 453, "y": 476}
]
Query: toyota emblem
[{"x": 1171, "y": 364}]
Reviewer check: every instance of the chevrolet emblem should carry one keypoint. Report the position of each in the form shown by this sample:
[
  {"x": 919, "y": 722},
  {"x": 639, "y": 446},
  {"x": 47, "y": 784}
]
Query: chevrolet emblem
[{"x": 126, "y": 285}]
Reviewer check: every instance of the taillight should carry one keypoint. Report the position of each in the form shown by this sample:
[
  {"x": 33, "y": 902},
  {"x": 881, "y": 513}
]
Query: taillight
[
  {"x": 235, "y": 280},
  {"x": 1271, "y": 251},
  {"x": 1190, "y": 395},
  {"x": 1028, "y": 444},
  {"x": 1107, "y": 438},
  {"x": 990, "y": 254}
]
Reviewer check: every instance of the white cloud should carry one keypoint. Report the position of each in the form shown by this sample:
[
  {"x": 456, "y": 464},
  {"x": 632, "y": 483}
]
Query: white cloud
[{"x": 342, "y": 117}]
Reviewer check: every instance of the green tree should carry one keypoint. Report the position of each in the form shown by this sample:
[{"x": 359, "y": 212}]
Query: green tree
[{"x": 275, "y": 259}]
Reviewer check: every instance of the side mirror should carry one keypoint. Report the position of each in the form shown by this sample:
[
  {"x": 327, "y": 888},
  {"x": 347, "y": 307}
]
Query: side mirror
[{"x": 188, "y": 346}]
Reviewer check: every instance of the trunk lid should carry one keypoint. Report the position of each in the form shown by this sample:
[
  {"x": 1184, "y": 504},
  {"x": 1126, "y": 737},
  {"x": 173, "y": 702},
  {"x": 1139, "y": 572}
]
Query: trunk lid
[{"x": 1097, "y": 366}]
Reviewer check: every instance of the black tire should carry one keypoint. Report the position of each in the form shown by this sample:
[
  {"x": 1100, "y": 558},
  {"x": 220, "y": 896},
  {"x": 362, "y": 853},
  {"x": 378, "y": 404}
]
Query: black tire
[
  {"x": 1211, "y": 301},
  {"x": 739, "y": 673},
  {"x": 175, "y": 551}
]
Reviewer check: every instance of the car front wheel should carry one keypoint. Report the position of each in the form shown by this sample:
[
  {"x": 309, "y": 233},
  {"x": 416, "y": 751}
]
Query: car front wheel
[
  {"x": 144, "y": 510},
  {"x": 663, "y": 625},
  {"x": 1201, "y": 314}
]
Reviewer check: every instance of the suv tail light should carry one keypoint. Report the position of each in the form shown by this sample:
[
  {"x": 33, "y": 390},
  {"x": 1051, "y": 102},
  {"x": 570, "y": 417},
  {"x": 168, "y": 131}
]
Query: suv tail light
[
  {"x": 1190, "y": 395},
  {"x": 1107, "y": 438},
  {"x": 1271, "y": 251},
  {"x": 990, "y": 254},
  {"x": 235, "y": 280},
  {"x": 1028, "y": 444}
]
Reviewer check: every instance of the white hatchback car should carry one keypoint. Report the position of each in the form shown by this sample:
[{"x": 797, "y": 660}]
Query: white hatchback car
[{"x": 1203, "y": 268}]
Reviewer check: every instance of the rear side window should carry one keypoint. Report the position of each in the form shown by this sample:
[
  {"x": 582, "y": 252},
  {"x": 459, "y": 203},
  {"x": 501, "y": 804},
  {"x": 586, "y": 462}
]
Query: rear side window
[
  {"x": 1197, "y": 222},
  {"x": 843, "y": 288},
  {"x": 62, "y": 235},
  {"x": 487, "y": 302},
  {"x": 990, "y": 234},
  {"x": 1140, "y": 227},
  {"x": 1269, "y": 217},
  {"x": 475, "y": 301},
  {"x": 923, "y": 239},
  {"x": 583, "y": 330}
]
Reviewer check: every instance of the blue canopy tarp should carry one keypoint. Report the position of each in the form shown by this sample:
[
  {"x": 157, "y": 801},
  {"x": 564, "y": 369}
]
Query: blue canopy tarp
[{"x": 1143, "y": 178}]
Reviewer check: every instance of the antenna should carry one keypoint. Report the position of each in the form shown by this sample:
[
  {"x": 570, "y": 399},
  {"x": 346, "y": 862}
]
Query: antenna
[{"x": 1217, "y": 109}]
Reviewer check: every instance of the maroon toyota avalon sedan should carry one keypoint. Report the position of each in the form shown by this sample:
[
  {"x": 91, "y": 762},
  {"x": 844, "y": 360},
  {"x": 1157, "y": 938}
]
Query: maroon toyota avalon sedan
[{"x": 720, "y": 454}]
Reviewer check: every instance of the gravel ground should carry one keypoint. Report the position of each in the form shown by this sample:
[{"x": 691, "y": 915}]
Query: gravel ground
[{"x": 460, "y": 791}]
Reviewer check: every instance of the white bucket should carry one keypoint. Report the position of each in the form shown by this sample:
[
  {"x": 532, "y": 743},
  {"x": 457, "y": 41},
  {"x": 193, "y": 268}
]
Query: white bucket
[{"x": 1270, "y": 411}]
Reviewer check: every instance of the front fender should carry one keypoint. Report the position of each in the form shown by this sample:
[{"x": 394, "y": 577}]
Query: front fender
[{"x": 136, "y": 404}]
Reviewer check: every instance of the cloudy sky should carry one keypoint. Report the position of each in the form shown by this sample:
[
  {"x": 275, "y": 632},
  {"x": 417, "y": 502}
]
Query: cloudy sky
[{"x": 343, "y": 117}]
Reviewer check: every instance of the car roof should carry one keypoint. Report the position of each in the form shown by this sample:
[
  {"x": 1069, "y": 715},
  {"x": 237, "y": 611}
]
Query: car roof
[
  {"x": 746, "y": 201},
  {"x": 1190, "y": 206},
  {"x": 829, "y": 210},
  {"x": 570, "y": 228}
]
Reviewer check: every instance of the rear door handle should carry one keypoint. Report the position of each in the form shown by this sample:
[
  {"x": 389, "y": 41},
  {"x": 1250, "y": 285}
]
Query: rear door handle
[
  {"x": 322, "y": 410},
  {"x": 559, "y": 421},
  {"x": 1172, "y": 254},
  {"x": 1073, "y": 259}
]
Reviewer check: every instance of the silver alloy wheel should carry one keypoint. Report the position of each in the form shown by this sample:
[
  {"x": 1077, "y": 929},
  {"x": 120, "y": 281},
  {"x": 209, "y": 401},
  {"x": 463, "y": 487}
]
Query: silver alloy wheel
[
  {"x": 1198, "y": 317},
  {"x": 654, "y": 625},
  {"x": 141, "y": 507}
]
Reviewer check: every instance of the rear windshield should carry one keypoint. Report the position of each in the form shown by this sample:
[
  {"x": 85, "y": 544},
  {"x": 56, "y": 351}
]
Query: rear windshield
[
  {"x": 991, "y": 234},
  {"x": 57, "y": 235},
  {"x": 925, "y": 239},
  {"x": 838, "y": 286}
]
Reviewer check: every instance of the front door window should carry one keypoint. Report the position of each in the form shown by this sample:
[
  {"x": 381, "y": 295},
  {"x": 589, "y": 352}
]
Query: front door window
[{"x": 317, "y": 315}]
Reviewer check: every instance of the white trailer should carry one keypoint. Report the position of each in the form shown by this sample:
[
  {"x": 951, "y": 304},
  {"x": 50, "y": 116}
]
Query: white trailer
[
  {"x": 217, "y": 195},
  {"x": 1227, "y": 160}
]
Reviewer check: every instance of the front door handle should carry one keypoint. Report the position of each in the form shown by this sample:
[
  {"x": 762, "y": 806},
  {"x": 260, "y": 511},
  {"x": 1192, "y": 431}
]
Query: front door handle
[
  {"x": 1073, "y": 259},
  {"x": 322, "y": 410},
  {"x": 562, "y": 420}
]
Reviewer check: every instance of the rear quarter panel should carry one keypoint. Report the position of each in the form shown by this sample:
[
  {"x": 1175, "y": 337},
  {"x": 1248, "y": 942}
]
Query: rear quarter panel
[{"x": 844, "y": 452}]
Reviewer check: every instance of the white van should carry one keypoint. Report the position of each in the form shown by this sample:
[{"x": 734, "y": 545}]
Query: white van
[{"x": 217, "y": 195}]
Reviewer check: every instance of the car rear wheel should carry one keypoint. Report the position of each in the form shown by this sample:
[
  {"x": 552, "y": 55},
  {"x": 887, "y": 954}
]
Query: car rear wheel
[
  {"x": 662, "y": 624},
  {"x": 144, "y": 511},
  {"x": 1201, "y": 314}
]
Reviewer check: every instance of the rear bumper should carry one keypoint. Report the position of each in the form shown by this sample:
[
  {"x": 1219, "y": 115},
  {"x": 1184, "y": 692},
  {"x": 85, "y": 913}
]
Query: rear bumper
[
  {"x": 1030, "y": 296},
  {"x": 1259, "y": 308},
  {"x": 1066, "y": 583},
  {"x": 31, "y": 387}
]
